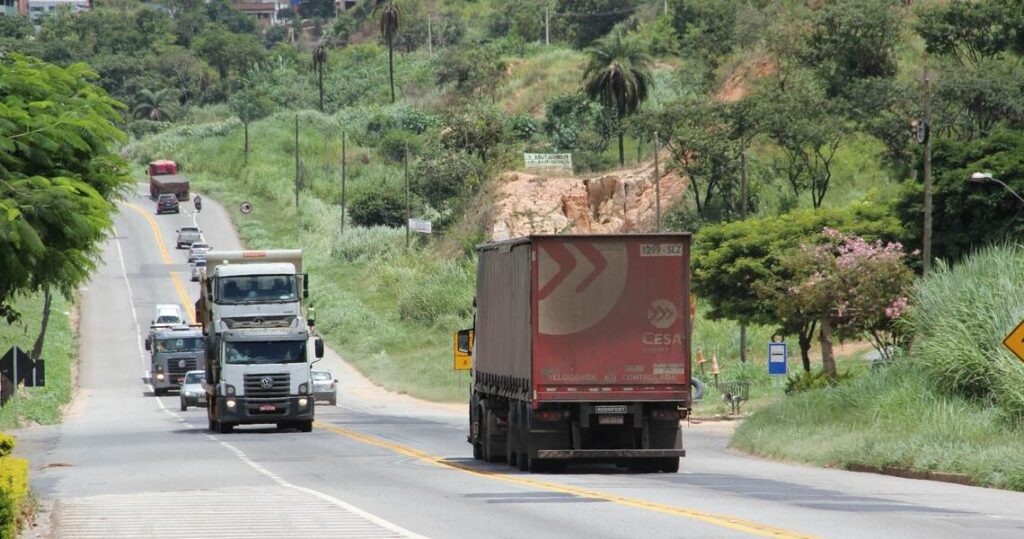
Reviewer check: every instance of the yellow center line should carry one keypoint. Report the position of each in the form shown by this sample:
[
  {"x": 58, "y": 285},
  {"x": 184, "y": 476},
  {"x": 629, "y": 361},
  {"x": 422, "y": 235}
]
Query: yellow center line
[
  {"x": 727, "y": 521},
  {"x": 166, "y": 255}
]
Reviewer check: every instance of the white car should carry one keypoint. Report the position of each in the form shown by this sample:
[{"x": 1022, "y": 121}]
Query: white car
[
  {"x": 168, "y": 316},
  {"x": 198, "y": 250},
  {"x": 198, "y": 268},
  {"x": 193, "y": 390}
]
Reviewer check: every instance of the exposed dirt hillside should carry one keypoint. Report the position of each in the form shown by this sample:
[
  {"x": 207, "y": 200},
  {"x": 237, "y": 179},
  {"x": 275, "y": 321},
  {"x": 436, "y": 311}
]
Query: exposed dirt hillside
[{"x": 619, "y": 201}]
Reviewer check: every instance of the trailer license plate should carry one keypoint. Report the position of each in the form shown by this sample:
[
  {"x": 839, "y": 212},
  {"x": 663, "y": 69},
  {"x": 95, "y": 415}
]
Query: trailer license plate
[
  {"x": 610, "y": 419},
  {"x": 267, "y": 407}
]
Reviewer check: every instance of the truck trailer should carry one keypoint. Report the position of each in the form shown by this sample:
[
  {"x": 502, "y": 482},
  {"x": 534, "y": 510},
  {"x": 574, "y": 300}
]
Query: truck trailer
[
  {"x": 580, "y": 351},
  {"x": 164, "y": 178}
]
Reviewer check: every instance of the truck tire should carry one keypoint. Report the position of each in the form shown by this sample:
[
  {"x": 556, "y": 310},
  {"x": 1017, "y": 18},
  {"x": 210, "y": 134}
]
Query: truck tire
[
  {"x": 157, "y": 392},
  {"x": 305, "y": 426},
  {"x": 184, "y": 407},
  {"x": 211, "y": 425},
  {"x": 490, "y": 424},
  {"x": 512, "y": 436},
  {"x": 224, "y": 427},
  {"x": 668, "y": 465}
]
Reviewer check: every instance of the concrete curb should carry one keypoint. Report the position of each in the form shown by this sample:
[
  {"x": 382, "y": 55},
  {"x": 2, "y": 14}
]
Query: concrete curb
[{"x": 945, "y": 477}]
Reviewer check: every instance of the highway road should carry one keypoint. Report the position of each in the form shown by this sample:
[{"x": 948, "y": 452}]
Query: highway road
[{"x": 127, "y": 464}]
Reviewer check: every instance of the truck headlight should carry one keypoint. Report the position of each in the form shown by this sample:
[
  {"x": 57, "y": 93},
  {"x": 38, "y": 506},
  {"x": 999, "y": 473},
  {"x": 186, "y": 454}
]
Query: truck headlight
[
  {"x": 159, "y": 376},
  {"x": 303, "y": 401},
  {"x": 229, "y": 389},
  {"x": 303, "y": 389},
  {"x": 230, "y": 403}
]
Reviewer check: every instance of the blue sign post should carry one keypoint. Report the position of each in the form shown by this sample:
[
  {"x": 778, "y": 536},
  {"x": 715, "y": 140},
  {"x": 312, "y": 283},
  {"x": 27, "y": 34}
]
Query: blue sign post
[{"x": 778, "y": 356}]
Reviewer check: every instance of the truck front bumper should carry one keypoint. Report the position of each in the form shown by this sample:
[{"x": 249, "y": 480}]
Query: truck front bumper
[
  {"x": 252, "y": 411},
  {"x": 608, "y": 453}
]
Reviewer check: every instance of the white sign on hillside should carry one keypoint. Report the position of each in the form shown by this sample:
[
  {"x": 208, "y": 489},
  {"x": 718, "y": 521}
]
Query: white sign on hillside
[
  {"x": 421, "y": 226},
  {"x": 548, "y": 160}
]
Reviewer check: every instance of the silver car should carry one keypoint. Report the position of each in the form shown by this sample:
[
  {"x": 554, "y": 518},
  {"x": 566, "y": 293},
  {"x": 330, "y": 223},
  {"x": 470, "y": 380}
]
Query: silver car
[
  {"x": 325, "y": 387},
  {"x": 198, "y": 250},
  {"x": 187, "y": 235},
  {"x": 198, "y": 268},
  {"x": 193, "y": 390}
]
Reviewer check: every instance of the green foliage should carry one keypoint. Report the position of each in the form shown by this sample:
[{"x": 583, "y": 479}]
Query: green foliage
[
  {"x": 961, "y": 315},
  {"x": 969, "y": 32},
  {"x": 584, "y": 21},
  {"x": 13, "y": 490},
  {"x": 6, "y": 444},
  {"x": 395, "y": 144},
  {"x": 479, "y": 130},
  {"x": 226, "y": 51},
  {"x": 317, "y": 9},
  {"x": 523, "y": 20},
  {"x": 967, "y": 215},
  {"x": 658, "y": 37},
  {"x": 973, "y": 100},
  {"x": 60, "y": 174},
  {"x": 445, "y": 178},
  {"x": 894, "y": 417},
  {"x": 251, "y": 104},
  {"x": 815, "y": 379},
  {"x": 854, "y": 40},
  {"x": 471, "y": 70},
  {"x": 378, "y": 207},
  {"x": 707, "y": 28},
  {"x": 158, "y": 106},
  {"x": 574, "y": 123}
]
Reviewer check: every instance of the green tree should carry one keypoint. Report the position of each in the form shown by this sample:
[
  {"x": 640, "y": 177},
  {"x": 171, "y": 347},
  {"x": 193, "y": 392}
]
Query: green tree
[
  {"x": 389, "y": 24},
  {"x": 584, "y": 21},
  {"x": 706, "y": 28},
  {"x": 250, "y": 105},
  {"x": 58, "y": 175},
  {"x": 472, "y": 70},
  {"x": 157, "y": 106},
  {"x": 444, "y": 178},
  {"x": 478, "y": 130},
  {"x": 967, "y": 31},
  {"x": 971, "y": 101},
  {"x": 228, "y": 52},
  {"x": 740, "y": 268},
  {"x": 618, "y": 76},
  {"x": 323, "y": 9}
]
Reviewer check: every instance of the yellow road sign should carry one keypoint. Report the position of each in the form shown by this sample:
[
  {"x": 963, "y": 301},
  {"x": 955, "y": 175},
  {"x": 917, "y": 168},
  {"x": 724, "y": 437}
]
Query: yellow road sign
[{"x": 1014, "y": 342}]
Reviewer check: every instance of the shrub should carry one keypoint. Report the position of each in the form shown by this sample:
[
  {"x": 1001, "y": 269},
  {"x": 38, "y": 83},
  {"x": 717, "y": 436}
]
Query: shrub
[
  {"x": 443, "y": 177},
  {"x": 439, "y": 295},
  {"x": 524, "y": 126},
  {"x": 395, "y": 142},
  {"x": 141, "y": 128},
  {"x": 816, "y": 379},
  {"x": 6, "y": 444},
  {"x": 382, "y": 206},
  {"x": 13, "y": 488}
]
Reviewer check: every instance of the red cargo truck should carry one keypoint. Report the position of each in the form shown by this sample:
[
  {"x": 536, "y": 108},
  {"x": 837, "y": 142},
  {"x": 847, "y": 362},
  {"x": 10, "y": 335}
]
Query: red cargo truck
[
  {"x": 164, "y": 178},
  {"x": 580, "y": 350}
]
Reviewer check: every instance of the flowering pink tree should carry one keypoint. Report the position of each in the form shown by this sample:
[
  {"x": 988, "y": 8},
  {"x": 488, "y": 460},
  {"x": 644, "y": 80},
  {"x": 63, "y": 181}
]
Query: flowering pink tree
[{"x": 854, "y": 287}]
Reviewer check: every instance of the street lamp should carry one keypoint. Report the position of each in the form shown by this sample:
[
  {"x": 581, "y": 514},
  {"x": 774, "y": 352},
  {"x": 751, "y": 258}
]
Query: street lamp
[{"x": 984, "y": 177}]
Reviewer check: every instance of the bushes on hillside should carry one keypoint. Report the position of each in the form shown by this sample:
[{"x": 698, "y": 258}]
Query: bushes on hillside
[
  {"x": 381, "y": 206},
  {"x": 961, "y": 315}
]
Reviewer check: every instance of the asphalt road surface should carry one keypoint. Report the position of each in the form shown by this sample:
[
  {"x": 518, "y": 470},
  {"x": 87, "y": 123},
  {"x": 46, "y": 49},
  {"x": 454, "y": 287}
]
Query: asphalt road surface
[{"x": 127, "y": 464}]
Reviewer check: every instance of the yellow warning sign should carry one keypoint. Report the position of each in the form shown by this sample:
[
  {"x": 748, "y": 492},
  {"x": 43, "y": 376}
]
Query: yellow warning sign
[{"x": 1014, "y": 342}]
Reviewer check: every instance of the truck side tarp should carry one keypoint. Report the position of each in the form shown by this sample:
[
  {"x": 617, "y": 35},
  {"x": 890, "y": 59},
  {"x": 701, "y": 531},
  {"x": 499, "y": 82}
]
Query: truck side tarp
[{"x": 503, "y": 314}]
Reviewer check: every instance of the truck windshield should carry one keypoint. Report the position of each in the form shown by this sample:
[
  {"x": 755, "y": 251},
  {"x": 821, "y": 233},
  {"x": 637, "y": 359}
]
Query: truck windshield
[
  {"x": 180, "y": 344},
  {"x": 262, "y": 352},
  {"x": 257, "y": 289}
]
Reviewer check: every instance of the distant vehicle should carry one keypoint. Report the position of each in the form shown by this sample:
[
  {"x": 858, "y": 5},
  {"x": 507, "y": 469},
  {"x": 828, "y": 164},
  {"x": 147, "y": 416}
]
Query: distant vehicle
[
  {"x": 187, "y": 235},
  {"x": 167, "y": 315},
  {"x": 198, "y": 268},
  {"x": 198, "y": 250},
  {"x": 167, "y": 204},
  {"x": 193, "y": 390},
  {"x": 580, "y": 351},
  {"x": 173, "y": 352},
  {"x": 325, "y": 387},
  {"x": 164, "y": 179}
]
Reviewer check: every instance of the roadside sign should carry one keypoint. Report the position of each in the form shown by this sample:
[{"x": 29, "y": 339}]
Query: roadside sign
[
  {"x": 245, "y": 208},
  {"x": 548, "y": 160},
  {"x": 778, "y": 354},
  {"x": 921, "y": 130},
  {"x": 1014, "y": 342},
  {"x": 421, "y": 226}
]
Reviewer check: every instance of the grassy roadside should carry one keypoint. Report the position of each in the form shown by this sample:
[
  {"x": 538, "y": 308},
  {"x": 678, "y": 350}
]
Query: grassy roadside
[
  {"x": 42, "y": 405},
  {"x": 953, "y": 404}
]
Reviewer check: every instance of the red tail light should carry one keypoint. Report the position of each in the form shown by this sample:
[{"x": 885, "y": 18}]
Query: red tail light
[
  {"x": 665, "y": 414},
  {"x": 551, "y": 415}
]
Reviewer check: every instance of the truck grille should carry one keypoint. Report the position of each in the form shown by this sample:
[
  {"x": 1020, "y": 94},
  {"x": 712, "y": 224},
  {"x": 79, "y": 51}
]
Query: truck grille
[
  {"x": 241, "y": 322},
  {"x": 279, "y": 385},
  {"x": 177, "y": 368}
]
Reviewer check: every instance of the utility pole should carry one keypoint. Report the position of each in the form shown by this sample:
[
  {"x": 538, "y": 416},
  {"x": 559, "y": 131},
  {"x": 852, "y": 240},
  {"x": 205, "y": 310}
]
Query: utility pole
[
  {"x": 743, "y": 215},
  {"x": 547, "y": 33},
  {"x": 342, "y": 182},
  {"x": 657, "y": 187},
  {"x": 408, "y": 213},
  {"x": 665, "y": 4},
  {"x": 297, "y": 162},
  {"x": 926, "y": 250},
  {"x": 430, "y": 38}
]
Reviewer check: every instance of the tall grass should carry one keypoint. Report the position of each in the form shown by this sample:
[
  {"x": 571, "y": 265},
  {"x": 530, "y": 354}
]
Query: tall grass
[
  {"x": 41, "y": 405},
  {"x": 962, "y": 314}
]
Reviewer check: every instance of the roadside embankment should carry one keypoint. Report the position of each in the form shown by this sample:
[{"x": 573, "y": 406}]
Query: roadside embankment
[{"x": 951, "y": 405}]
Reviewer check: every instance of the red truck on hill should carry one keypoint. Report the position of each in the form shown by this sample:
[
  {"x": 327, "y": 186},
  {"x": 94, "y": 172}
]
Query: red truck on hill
[
  {"x": 580, "y": 350},
  {"x": 164, "y": 178}
]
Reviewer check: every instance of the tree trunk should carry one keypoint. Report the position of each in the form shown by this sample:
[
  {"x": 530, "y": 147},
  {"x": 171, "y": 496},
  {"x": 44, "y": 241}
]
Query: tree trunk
[
  {"x": 828, "y": 360},
  {"x": 320, "y": 71},
  {"x": 622, "y": 152},
  {"x": 391, "y": 70},
  {"x": 37, "y": 348},
  {"x": 805, "y": 351},
  {"x": 245, "y": 151}
]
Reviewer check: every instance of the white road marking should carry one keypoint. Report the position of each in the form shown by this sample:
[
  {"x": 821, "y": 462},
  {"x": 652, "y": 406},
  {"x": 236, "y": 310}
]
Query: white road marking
[{"x": 282, "y": 511}]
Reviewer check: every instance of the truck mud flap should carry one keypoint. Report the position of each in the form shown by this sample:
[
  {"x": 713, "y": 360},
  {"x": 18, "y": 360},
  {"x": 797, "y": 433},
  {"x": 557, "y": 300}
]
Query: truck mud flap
[{"x": 608, "y": 453}]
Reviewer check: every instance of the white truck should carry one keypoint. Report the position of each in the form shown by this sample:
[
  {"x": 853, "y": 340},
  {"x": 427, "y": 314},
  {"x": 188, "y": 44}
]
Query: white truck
[{"x": 257, "y": 360}]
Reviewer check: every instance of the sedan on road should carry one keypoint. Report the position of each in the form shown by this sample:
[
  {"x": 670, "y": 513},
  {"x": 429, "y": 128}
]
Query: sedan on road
[
  {"x": 325, "y": 387},
  {"x": 193, "y": 392},
  {"x": 198, "y": 250},
  {"x": 198, "y": 268},
  {"x": 167, "y": 203},
  {"x": 187, "y": 235}
]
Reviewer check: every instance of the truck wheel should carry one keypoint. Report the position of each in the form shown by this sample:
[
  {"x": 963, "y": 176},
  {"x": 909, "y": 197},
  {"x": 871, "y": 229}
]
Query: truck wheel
[
  {"x": 333, "y": 401},
  {"x": 225, "y": 428},
  {"x": 157, "y": 392},
  {"x": 490, "y": 425},
  {"x": 305, "y": 426},
  {"x": 210, "y": 425},
  {"x": 184, "y": 407},
  {"x": 512, "y": 437},
  {"x": 668, "y": 465},
  {"x": 478, "y": 452}
]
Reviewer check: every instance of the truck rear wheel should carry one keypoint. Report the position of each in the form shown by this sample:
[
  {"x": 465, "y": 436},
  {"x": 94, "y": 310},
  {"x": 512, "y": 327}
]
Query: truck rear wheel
[
  {"x": 490, "y": 425},
  {"x": 224, "y": 428},
  {"x": 668, "y": 464},
  {"x": 305, "y": 426}
]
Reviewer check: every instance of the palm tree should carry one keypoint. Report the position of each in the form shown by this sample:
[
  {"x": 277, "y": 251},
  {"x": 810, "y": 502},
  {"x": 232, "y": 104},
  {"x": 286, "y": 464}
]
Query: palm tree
[
  {"x": 155, "y": 106},
  {"x": 618, "y": 76},
  {"x": 319, "y": 61},
  {"x": 389, "y": 29}
]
